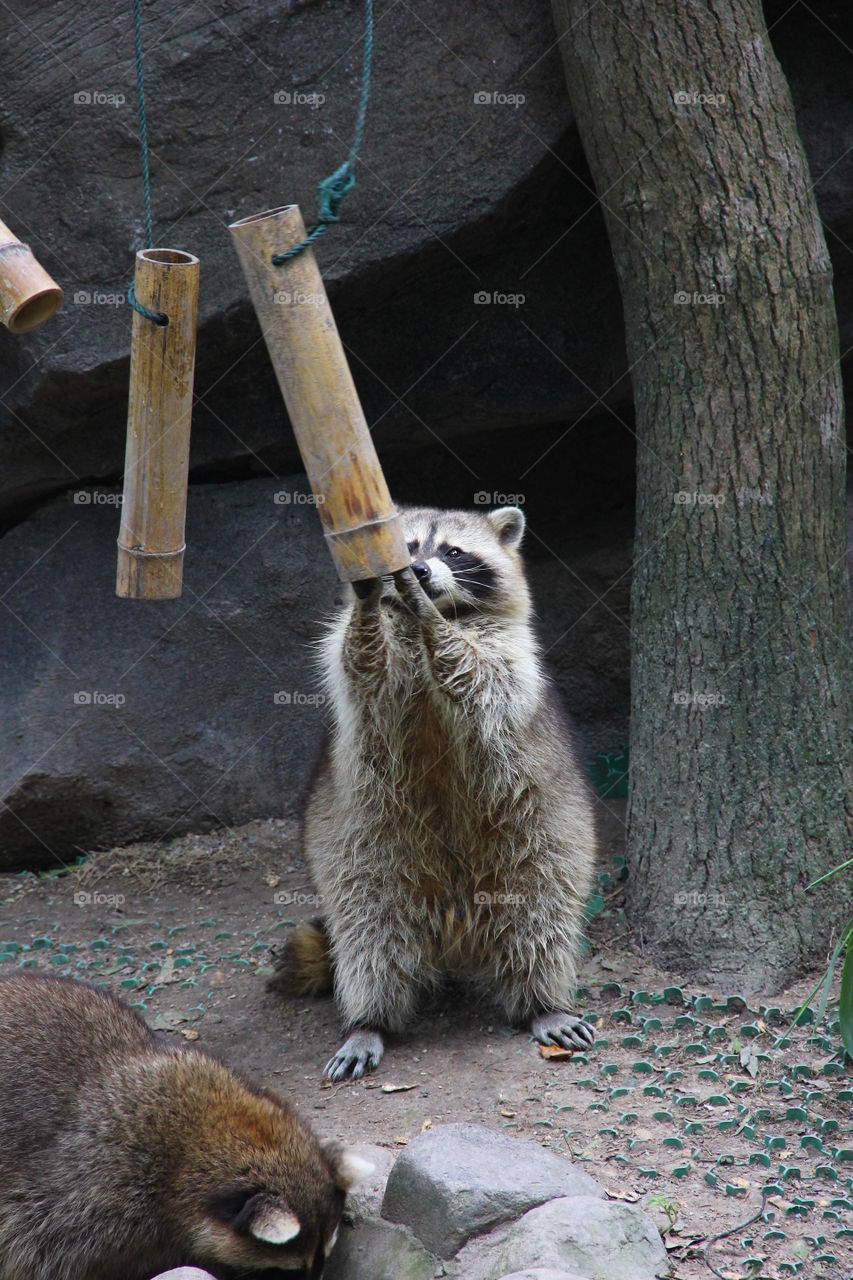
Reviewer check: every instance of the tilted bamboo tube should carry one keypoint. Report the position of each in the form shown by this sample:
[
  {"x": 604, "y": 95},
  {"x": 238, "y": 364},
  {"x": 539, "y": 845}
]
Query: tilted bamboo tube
[
  {"x": 360, "y": 522},
  {"x": 28, "y": 295},
  {"x": 162, "y": 362}
]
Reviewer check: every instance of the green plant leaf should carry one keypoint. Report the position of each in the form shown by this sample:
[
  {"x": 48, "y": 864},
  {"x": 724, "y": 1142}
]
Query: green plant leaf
[
  {"x": 841, "y": 866},
  {"x": 845, "y": 1003},
  {"x": 829, "y": 972}
]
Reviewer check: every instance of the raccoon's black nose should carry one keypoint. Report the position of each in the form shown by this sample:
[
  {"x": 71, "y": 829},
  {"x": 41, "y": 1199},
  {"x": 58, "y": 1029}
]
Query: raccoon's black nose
[{"x": 422, "y": 571}]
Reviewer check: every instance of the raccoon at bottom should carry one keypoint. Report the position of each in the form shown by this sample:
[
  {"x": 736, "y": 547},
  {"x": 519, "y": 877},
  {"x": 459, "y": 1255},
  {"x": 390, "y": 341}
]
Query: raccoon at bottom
[{"x": 121, "y": 1156}]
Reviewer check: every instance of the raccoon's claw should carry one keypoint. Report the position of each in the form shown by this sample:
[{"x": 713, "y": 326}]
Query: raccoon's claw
[
  {"x": 362, "y": 1052},
  {"x": 562, "y": 1029},
  {"x": 412, "y": 593}
]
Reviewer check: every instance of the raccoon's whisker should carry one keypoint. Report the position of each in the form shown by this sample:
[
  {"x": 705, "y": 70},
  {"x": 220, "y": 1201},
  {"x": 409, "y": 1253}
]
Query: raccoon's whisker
[{"x": 486, "y": 586}]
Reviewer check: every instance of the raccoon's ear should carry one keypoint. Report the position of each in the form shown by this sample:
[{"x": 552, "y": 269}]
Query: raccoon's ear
[
  {"x": 257, "y": 1215},
  {"x": 509, "y": 525},
  {"x": 273, "y": 1224},
  {"x": 347, "y": 1168}
]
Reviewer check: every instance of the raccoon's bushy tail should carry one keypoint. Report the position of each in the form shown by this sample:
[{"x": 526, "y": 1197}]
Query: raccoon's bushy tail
[{"x": 303, "y": 967}]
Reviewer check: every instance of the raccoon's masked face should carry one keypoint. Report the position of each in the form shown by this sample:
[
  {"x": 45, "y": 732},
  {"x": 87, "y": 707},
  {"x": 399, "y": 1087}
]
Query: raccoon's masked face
[
  {"x": 257, "y": 1233},
  {"x": 466, "y": 561}
]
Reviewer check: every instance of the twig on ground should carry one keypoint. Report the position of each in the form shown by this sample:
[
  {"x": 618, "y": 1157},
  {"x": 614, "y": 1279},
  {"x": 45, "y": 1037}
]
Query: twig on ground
[{"x": 722, "y": 1235}]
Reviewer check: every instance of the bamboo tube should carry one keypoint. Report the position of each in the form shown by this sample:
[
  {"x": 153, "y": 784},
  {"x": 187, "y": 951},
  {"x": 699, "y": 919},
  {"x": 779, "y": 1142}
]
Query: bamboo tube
[
  {"x": 162, "y": 362},
  {"x": 361, "y": 525},
  {"x": 28, "y": 295}
]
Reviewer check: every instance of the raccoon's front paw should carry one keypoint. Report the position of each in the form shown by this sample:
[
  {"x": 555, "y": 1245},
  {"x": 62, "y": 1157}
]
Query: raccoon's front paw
[
  {"x": 562, "y": 1029},
  {"x": 412, "y": 594},
  {"x": 360, "y": 1053}
]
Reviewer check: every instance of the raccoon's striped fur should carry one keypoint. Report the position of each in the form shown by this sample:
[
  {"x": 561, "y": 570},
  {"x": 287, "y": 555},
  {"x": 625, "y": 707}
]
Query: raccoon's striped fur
[
  {"x": 449, "y": 828},
  {"x": 121, "y": 1157}
]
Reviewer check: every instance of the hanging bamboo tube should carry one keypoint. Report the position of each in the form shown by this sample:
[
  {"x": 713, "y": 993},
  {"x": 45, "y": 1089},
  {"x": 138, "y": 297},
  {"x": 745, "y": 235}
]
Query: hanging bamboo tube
[
  {"x": 162, "y": 362},
  {"x": 28, "y": 295},
  {"x": 361, "y": 525}
]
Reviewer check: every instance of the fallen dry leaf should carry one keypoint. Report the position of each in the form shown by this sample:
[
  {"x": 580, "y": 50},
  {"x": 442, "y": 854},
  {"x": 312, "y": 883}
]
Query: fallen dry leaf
[
  {"x": 749, "y": 1059},
  {"x": 189, "y": 1033},
  {"x": 166, "y": 974},
  {"x": 554, "y": 1053},
  {"x": 397, "y": 1088}
]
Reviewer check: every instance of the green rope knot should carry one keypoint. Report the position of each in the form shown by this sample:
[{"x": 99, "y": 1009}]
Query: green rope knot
[
  {"x": 330, "y": 195},
  {"x": 331, "y": 191}
]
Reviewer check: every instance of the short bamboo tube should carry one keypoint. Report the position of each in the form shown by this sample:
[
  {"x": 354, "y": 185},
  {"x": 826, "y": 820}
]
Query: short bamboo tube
[
  {"x": 28, "y": 295},
  {"x": 360, "y": 522},
  {"x": 162, "y": 362}
]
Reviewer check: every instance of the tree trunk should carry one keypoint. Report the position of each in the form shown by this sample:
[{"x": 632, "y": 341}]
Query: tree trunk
[{"x": 740, "y": 713}]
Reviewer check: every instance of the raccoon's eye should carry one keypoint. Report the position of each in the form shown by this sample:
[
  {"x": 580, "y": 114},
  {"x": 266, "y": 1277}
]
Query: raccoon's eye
[{"x": 453, "y": 552}]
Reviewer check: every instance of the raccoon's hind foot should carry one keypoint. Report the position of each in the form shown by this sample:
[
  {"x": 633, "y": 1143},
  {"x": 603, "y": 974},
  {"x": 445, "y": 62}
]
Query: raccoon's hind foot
[
  {"x": 562, "y": 1029},
  {"x": 362, "y": 1052}
]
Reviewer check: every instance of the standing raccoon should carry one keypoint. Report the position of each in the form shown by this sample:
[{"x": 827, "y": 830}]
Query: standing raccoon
[
  {"x": 121, "y": 1157},
  {"x": 449, "y": 828}
]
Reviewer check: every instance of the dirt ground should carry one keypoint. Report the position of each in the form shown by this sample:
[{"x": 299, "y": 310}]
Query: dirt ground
[{"x": 686, "y": 1104}]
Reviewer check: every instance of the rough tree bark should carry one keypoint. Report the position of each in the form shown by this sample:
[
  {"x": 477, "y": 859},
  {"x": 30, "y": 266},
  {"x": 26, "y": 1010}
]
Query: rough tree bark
[{"x": 740, "y": 715}]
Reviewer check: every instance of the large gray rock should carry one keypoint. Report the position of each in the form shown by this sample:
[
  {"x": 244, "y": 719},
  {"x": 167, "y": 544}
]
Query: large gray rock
[
  {"x": 378, "y": 1251},
  {"x": 130, "y": 719},
  {"x": 595, "y": 1238},
  {"x": 457, "y": 1180},
  {"x": 252, "y": 111},
  {"x": 453, "y": 197},
  {"x": 182, "y": 730},
  {"x": 544, "y": 1273}
]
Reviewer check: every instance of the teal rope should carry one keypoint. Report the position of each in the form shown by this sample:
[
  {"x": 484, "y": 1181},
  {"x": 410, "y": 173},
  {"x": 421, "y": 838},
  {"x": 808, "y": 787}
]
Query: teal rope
[
  {"x": 331, "y": 191},
  {"x": 157, "y": 316}
]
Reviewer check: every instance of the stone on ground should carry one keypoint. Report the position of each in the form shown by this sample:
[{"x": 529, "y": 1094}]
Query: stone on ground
[
  {"x": 365, "y": 1199},
  {"x": 544, "y": 1273},
  {"x": 595, "y": 1238},
  {"x": 378, "y": 1251},
  {"x": 457, "y": 1180}
]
